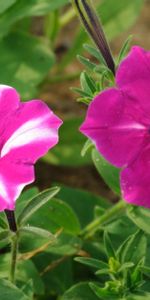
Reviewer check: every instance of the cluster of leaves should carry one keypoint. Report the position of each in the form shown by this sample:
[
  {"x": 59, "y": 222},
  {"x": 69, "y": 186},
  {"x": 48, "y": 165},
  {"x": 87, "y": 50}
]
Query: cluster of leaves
[
  {"x": 52, "y": 231},
  {"x": 98, "y": 76}
]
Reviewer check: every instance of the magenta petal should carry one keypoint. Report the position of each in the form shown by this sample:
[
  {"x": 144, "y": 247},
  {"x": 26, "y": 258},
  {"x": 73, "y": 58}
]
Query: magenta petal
[
  {"x": 135, "y": 67},
  {"x": 32, "y": 132},
  {"x": 13, "y": 178},
  {"x": 133, "y": 77},
  {"x": 28, "y": 130},
  {"x": 9, "y": 99},
  {"x": 135, "y": 180},
  {"x": 113, "y": 124}
]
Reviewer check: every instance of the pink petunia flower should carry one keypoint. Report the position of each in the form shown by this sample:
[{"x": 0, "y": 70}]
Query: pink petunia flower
[
  {"x": 27, "y": 131},
  {"x": 118, "y": 122}
]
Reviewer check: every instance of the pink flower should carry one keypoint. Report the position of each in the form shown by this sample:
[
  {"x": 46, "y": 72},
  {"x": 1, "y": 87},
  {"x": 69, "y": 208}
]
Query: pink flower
[
  {"x": 118, "y": 122},
  {"x": 27, "y": 131}
]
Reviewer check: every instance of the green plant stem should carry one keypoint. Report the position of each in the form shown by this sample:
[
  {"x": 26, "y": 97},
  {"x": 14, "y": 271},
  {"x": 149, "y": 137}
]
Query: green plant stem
[
  {"x": 67, "y": 17},
  {"x": 92, "y": 227},
  {"x": 14, "y": 252},
  {"x": 14, "y": 242}
]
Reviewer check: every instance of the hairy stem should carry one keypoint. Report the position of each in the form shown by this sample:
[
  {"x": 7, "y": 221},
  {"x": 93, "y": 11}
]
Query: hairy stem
[
  {"x": 14, "y": 242},
  {"x": 92, "y": 227},
  {"x": 14, "y": 252}
]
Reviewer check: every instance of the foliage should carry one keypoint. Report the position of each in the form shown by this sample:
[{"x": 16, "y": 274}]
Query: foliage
[{"x": 73, "y": 245}]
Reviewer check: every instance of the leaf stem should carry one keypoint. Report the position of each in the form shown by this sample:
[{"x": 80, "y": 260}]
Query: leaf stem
[{"x": 92, "y": 227}]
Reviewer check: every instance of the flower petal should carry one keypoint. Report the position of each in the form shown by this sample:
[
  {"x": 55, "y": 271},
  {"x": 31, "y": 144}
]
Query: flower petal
[
  {"x": 13, "y": 178},
  {"x": 135, "y": 180},
  {"x": 9, "y": 99},
  {"x": 113, "y": 124},
  {"x": 133, "y": 77},
  {"x": 135, "y": 67},
  {"x": 32, "y": 131}
]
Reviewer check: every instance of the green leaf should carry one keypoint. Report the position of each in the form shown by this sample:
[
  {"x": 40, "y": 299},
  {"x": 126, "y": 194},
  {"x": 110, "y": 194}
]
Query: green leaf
[
  {"x": 56, "y": 281},
  {"x": 66, "y": 245},
  {"x": 63, "y": 153},
  {"x": 4, "y": 235},
  {"x": 5, "y": 238},
  {"x": 95, "y": 52},
  {"x": 3, "y": 221},
  {"x": 9, "y": 291},
  {"x": 5, "y": 4},
  {"x": 79, "y": 199},
  {"x": 125, "y": 266},
  {"x": 88, "y": 144},
  {"x": 80, "y": 291},
  {"x": 110, "y": 291},
  {"x": 91, "y": 262},
  {"x": 136, "y": 274},
  {"x": 109, "y": 173},
  {"x": 140, "y": 216},
  {"x": 53, "y": 216},
  {"x": 35, "y": 203},
  {"x": 86, "y": 62},
  {"x": 23, "y": 9},
  {"x": 133, "y": 249},
  {"x": 87, "y": 83},
  {"x": 25, "y": 270},
  {"x": 24, "y": 62},
  {"x": 124, "y": 50},
  {"x": 23, "y": 199},
  {"x": 81, "y": 92},
  {"x": 57, "y": 214},
  {"x": 146, "y": 296},
  {"x": 122, "y": 227},
  {"x": 27, "y": 288},
  {"x": 108, "y": 246},
  {"x": 37, "y": 231}
]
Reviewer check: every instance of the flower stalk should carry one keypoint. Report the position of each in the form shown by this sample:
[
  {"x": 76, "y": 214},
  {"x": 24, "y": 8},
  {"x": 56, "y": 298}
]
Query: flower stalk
[
  {"x": 14, "y": 253},
  {"x": 14, "y": 243},
  {"x": 11, "y": 220}
]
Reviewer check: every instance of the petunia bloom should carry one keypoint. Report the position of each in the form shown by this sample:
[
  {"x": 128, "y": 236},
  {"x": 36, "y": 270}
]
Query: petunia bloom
[
  {"x": 118, "y": 122},
  {"x": 27, "y": 131}
]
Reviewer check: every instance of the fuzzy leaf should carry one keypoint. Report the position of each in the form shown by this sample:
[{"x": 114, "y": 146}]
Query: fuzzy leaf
[{"x": 36, "y": 203}]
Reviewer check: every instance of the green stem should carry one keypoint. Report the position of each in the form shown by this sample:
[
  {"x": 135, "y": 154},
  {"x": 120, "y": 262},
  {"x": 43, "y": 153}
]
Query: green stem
[
  {"x": 14, "y": 242},
  {"x": 92, "y": 227},
  {"x": 14, "y": 252},
  {"x": 67, "y": 17}
]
